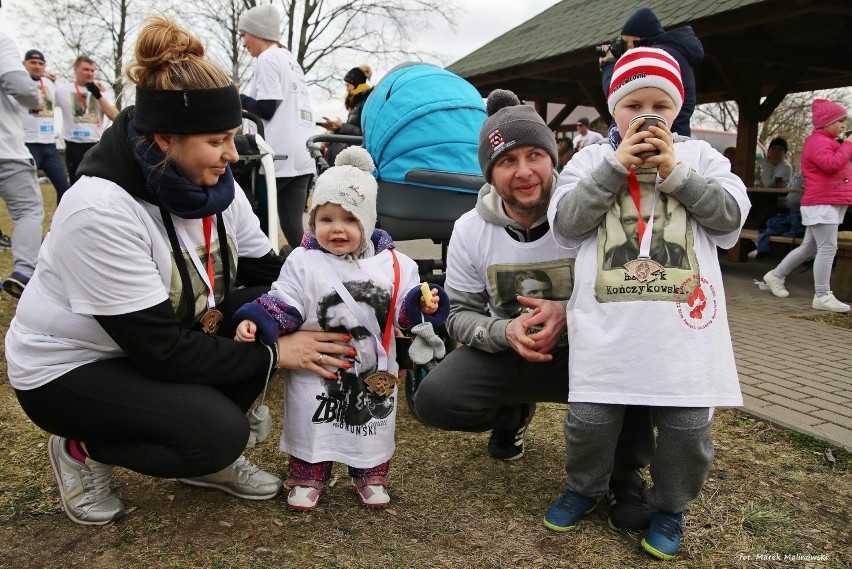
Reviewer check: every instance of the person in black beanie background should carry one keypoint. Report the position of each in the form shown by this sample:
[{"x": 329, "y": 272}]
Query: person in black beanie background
[
  {"x": 357, "y": 91},
  {"x": 644, "y": 28}
]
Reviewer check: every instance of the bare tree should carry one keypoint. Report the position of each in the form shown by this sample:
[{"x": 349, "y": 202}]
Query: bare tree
[
  {"x": 101, "y": 30},
  {"x": 328, "y": 37},
  {"x": 791, "y": 120}
]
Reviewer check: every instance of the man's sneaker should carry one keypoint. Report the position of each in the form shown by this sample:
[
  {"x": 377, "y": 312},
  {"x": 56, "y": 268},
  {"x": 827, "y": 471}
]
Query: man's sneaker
[
  {"x": 241, "y": 479},
  {"x": 628, "y": 505},
  {"x": 564, "y": 514},
  {"x": 5, "y": 242},
  {"x": 776, "y": 285},
  {"x": 663, "y": 537},
  {"x": 15, "y": 284},
  {"x": 372, "y": 491},
  {"x": 507, "y": 443},
  {"x": 85, "y": 489},
  {"x": 829, "y": 302},
  {"x": 304, "y": 494}
]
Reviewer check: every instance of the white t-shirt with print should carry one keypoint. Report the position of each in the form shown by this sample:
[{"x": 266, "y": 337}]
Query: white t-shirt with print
[
  {"x": 278, "y": 77},
  {"x": 108, "y": 253},
  {"x": 663, "y": 342},
  {"x": 83, "y": 120},
  {"x": 495, "y": 261},
  {"x": 320, "y": 423},
  {"x": 39, "y": 127}
]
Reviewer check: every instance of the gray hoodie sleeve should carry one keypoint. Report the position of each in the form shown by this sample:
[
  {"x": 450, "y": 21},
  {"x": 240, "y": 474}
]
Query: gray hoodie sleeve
[
  {"x": 19, "y": 86},
  {"x": 470, "y": 324},
  {"x": 583, "y": 209},
  {"x": 705, "y": 198}
]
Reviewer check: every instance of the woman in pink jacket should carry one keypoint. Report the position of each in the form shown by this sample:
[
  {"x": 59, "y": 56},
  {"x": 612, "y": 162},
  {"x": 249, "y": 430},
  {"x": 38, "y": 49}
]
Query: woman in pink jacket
[{"x": 828, "y": 192}]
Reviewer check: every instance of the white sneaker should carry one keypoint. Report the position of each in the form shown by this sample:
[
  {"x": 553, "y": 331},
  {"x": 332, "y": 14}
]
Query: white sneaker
[
  {"x": 85, "y": 489},
  {"x": 776, "y": 285},
  {"x": 304, "y": 494},
  {"x": 829, "y": 302},
  {"x": 241, "y": 479},
  {"x": 372, "y": 491}
]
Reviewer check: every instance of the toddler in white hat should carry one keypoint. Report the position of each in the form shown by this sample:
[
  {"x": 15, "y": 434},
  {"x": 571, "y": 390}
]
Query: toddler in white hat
[{"x": 346, "y": 276}]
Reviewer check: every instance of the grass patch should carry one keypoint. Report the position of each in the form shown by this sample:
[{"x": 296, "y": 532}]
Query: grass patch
[
  {"x": 769, "y": 492},
  {"x": 841, "y": 320}
]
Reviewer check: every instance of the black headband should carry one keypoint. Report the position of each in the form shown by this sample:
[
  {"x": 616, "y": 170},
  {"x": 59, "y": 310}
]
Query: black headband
[{"x": 187, "y": 111}]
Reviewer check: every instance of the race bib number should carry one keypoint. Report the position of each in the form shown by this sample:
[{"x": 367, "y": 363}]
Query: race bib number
[
  {"x": 45, "y": 129},
  {"x": 81, "y": 133}
]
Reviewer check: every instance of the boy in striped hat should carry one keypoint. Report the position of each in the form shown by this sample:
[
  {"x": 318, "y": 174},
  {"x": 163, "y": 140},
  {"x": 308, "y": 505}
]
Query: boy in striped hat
[{"x": 647, "y": 320}]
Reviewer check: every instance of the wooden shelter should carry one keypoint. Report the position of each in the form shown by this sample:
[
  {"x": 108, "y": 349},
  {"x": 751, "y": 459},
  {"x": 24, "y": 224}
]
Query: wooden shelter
[{"x": 756, "y": 52}]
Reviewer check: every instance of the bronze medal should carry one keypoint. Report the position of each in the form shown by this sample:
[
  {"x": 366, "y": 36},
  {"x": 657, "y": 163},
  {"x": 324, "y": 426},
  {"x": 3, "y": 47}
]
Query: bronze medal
[
  {"x": 381, "y": 383},
  {"x": 644, "y": 269},
  {"x": 210, "y": 321}
]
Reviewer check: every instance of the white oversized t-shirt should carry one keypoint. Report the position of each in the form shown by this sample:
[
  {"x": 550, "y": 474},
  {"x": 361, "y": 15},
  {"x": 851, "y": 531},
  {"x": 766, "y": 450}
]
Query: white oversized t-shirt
[
  {"x": 338, "y": 420},
  {"x": 83, "y": 120},
  {"x": 39, "y": 127},
  {"x": 278, "y": 77},
  {"x": 482, "y": 256},
  {"x": 108, "y": 253},
  {"x": 664, "y": 342}
]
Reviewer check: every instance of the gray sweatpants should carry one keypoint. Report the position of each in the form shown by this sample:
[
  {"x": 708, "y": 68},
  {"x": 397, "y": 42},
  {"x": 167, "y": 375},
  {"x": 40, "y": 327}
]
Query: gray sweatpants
[
  {"x": 680, "y": 463},
  {"x": 819, "y": 244},
  {"x": 476, "y": 391},
  {"x": 19, "y": 189}
]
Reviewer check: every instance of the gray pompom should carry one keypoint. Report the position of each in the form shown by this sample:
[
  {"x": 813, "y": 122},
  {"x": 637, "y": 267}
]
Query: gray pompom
[
  {"x": 500, "y": 98},
  {"x": 355, "y": 156}
]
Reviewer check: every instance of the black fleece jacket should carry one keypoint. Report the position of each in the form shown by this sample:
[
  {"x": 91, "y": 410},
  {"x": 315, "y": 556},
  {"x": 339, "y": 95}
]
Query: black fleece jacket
[{"x": 154, "y": 338}]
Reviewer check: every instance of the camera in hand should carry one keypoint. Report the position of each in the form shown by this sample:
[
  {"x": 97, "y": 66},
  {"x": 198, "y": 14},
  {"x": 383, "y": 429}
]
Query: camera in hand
[{"x": 616, "y": 45}]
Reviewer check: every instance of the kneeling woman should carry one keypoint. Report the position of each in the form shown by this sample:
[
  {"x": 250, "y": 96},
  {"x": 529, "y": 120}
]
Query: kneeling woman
[{"x": 122, "y": 343}]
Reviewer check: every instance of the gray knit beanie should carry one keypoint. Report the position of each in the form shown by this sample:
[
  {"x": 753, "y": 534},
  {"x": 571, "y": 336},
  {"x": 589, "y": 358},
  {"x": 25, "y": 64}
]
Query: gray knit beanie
[
  {"x": 511, "y": 124},
  {"x": 351, "y": 185},
  {"x": 263, "y": 22}
]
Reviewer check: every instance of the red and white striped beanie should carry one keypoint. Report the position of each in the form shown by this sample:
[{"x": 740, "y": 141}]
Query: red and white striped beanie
[{"x": 645, "y": 67}]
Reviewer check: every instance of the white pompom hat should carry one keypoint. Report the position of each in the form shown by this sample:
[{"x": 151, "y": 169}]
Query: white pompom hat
[{"x": 351, "y": 185}]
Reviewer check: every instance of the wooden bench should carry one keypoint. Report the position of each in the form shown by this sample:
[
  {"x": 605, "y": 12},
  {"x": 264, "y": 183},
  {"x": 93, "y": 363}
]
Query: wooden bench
[
  {"x": 737, "y": 253},
  {"x": 841, "y": 275}
]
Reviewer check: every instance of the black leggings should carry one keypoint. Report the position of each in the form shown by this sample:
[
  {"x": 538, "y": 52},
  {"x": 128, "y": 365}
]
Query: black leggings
[{"x": 128, "y": 419}]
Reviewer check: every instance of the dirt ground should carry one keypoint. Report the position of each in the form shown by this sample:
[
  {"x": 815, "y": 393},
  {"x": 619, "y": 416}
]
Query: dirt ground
[{"x": 773, "y": 499}]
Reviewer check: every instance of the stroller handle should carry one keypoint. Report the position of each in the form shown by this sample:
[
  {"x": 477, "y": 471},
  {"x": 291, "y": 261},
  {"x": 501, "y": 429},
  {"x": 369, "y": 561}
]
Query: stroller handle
[
  {"x": 316, "y": 153},
  {"x": 258, "y": 122}
]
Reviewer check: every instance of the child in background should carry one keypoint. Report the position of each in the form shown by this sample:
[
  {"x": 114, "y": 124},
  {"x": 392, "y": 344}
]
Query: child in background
[
  {"x": 654, "y": 330},
  {"x": 828, "y": 192},
  {"x": 339, "y": 280}
]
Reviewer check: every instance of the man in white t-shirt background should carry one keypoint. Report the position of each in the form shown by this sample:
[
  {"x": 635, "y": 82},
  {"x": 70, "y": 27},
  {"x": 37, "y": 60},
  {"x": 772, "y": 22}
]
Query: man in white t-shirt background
[
  {"x": 18, "y": 185},
  {"x": 278, "y": 94},
  {"x": 86, "y": 105},
  {"x": 585, "y": 135},
  {"x": 39, "y": 125}
]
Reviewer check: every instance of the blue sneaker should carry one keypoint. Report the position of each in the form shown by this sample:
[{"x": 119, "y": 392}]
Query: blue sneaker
[
  {"x": 564, "y": 514},
  {"x": 663, "y": 537},
  {"x": 16, "y": 283}
]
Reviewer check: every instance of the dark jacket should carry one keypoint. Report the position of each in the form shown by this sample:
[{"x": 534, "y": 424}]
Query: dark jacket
[
  {"x": 682, "y": 44},
  {"x": 351, "y": 127}
]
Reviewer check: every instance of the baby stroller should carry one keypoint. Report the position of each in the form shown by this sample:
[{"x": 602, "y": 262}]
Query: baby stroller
[
  {"x": 258, "y": 186},
  {"x": 421, "y": 126}
]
